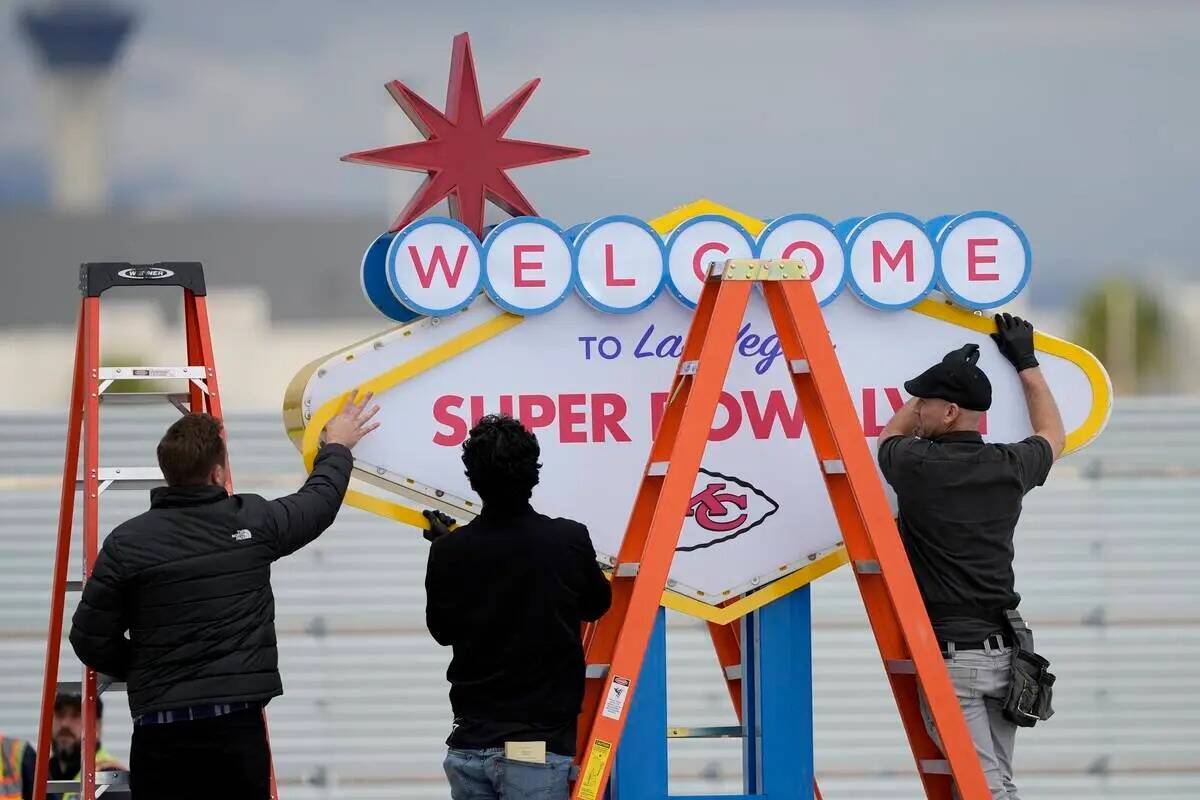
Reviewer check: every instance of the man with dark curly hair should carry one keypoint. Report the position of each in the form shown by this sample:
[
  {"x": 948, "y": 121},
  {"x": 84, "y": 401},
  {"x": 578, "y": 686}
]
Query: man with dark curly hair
[{"x": 509, "y": 592}]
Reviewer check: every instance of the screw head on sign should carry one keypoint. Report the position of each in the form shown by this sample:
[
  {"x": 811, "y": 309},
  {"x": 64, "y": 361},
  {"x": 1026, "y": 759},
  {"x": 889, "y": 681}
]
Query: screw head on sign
[
  {"x": 754, "y": 581},
  {"x": 378, "y": 345},
  {"x": 320, "y": 373}
]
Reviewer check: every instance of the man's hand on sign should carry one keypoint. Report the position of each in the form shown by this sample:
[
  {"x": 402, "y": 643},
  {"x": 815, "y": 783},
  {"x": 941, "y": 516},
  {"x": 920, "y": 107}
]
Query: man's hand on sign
[
  {"x": 1014, "y": 337},
  {"x": 352, "y": 422},
  {"x": 439, "y": 524}
]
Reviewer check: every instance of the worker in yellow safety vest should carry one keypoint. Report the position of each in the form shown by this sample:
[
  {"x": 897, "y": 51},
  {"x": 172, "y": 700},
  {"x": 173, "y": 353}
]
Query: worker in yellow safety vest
[
  {"x": 17, "y": 763},
  {"x": 66, "y": 757}
]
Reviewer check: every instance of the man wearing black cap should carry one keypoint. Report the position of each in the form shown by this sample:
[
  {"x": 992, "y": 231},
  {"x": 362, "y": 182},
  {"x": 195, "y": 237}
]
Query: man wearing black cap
[
  {"x": 959, "y": 501},
  {"x": 66, "y": 756}
]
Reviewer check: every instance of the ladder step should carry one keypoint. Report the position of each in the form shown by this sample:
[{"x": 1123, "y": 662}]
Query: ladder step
[
  {"x": 834, "y": 466},
  {"x": 104, "y": 683},
  {"x": 689, "y": 367},
  {"x": 112, "y": 780},
  {"x": 900, "y": 666},
  {"x": 707, "y": 732},
  {"x": 867, "y": 567},
  {"x": 142, "y": 398},
  {"x": 800, "y": 366},
  {"x": 595, "y": 670},
  {"x": 127, "y": 478},
  {"x": 627, "y": 570},
  {"x": 657, "y": 468},
  {"x": 934, "y": 766},
  {"x": 152, "y": 373},
  {"x": 733, "y": 672}
]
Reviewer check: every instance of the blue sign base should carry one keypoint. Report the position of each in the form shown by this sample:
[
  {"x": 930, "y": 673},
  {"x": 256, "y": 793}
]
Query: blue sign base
[{"x": 777, "y": 730}]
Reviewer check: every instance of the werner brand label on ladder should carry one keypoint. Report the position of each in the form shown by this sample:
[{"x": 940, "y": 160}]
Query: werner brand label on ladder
[
  {"x": 617, "y": 643},
  {"x": 197, "y": 391}
]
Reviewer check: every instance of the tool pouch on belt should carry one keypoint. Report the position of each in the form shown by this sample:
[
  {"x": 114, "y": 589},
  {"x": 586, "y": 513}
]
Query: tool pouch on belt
[{"x": 1031, "y": 690}]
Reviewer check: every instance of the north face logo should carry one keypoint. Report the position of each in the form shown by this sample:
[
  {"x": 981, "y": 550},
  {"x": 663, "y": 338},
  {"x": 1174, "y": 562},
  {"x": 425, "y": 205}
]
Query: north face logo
[
  {"x": 241, "y": 535},
  {"x": 723, "y": 508}
]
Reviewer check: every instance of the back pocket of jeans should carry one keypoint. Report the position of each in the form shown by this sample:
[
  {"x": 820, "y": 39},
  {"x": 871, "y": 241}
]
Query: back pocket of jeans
[{"x": 524, "y": 780}]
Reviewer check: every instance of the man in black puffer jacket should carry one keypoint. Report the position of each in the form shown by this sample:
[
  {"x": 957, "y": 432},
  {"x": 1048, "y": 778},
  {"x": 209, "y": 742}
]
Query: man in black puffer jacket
[{"x": 190, "y": 580}]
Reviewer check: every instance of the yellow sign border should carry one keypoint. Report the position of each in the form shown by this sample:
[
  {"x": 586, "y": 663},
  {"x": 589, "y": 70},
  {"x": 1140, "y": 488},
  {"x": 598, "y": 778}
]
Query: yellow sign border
[{"x": 306, "y": 435}]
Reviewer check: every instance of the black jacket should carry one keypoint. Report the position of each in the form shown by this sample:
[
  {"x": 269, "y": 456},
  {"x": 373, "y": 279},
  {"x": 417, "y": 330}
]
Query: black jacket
[
  {"x": 190, "y": 580},
  {"x": 509, "y": 591}
]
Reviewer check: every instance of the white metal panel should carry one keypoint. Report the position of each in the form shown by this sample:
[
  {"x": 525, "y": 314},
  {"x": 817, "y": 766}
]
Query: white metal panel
[{"x": 1105, "y": 560}]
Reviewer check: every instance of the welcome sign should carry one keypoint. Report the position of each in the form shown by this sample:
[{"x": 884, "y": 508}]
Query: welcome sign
[
  {"x": 620, "y": 264},
  {"x": 578, "y": 334}
]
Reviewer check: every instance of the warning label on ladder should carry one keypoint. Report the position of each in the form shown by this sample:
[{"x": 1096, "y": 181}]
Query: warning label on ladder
[
  {"x": 618, "y": 691},
  {"x": 589, "y": 779}
]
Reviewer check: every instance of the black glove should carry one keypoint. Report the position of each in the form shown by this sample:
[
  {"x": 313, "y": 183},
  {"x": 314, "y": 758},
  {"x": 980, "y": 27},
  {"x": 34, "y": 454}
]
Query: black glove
[
  {"x": 1014, "y": 337},
  {"x": 439, "y": 524}
]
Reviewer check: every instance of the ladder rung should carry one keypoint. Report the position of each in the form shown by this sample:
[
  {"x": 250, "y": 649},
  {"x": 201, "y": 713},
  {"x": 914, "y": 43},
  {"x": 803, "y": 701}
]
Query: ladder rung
[
  {"x": 800, "y": 366},
  {"x": 733, "y": 672},
  {"x": 595, "y": 670},
  {"x": 867, "y": 567},
  {"x": 657, "y": 468},
  {"x": 834, "y": 466},
  {"x": 627, "y": 570},
  {"x": 152, "y": 373},
  {"x": 934, "y": 766},
  {"x": 707, "y": 732},
  {"x": 689, "y": 367},
  {"x": 127, "y": 478},
  {"x": 104, "y": 683},
  {"x": 142, "y": 398},
  {"x": 900, "y": 666},
  {"x": 112, "y": 780},
  {"x": 74, "y": 586}
]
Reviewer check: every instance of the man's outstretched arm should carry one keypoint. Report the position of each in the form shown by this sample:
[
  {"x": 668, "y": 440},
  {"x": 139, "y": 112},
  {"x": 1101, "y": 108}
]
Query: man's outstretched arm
[
  {"x": 1014, "y": 337},
  {"x": 1043, "y": 410},
  {"x": 297, "y": 519}
]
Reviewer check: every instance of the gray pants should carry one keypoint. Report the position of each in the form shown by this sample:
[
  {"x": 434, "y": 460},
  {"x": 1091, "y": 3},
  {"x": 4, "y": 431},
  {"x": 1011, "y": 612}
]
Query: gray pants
[{"x": 981, "y": 679}]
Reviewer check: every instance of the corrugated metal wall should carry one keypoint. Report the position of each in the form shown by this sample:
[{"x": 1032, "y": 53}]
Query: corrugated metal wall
[{"x": 1106, "y": 560}]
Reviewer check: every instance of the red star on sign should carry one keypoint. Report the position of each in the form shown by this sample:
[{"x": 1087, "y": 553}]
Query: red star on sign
[{"x": 464, "y": 153}]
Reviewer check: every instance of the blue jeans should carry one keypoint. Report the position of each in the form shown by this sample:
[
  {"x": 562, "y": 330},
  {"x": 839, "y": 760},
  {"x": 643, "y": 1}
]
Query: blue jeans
[{"x": 488, "y": 775}]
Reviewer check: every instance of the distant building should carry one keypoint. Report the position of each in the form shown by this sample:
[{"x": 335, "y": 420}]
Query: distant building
[{"x": 77, "y": 44}]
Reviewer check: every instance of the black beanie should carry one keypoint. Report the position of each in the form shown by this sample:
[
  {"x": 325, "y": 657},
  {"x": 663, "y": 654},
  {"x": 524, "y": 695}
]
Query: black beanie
[{"x": 956, "y": 380}]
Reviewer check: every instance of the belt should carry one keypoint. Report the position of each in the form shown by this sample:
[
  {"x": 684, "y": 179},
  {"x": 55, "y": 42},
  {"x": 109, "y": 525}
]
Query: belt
[
  {"x": 993, "y": 642},
  {"x": 189, "y": 713}
]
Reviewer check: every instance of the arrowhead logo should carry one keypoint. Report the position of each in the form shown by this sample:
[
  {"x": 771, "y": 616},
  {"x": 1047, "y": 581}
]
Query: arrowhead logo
[{"x": 723, "y": 508}]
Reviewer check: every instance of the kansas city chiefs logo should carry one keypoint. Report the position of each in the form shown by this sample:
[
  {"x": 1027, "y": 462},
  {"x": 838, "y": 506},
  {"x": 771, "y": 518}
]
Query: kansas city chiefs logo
[{"x": 722, "y": 508}]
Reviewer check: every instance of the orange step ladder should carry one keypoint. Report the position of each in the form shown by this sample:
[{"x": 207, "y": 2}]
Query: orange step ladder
[
  {"x": 911, "y": 656},
  {"x": 89, "y": 391}
]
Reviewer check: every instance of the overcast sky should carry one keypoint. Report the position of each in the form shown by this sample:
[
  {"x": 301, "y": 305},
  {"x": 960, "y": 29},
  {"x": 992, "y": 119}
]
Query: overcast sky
[{"x": 1079, "y": 120}]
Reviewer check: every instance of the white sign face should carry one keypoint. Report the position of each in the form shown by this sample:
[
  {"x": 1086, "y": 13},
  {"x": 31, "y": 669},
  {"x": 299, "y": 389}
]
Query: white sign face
[
  {"x": 695, "y": 244},
  {"x": 759, "y": 508},
  {"x": 891, "y": 260},
  {"x": 619, "y": 264},
  {"x": 812, "y": 240},
  {"x": 433, "y": 266},
  {"x": 983, "y": 259},
  {"x": 527, "y": 265}
]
